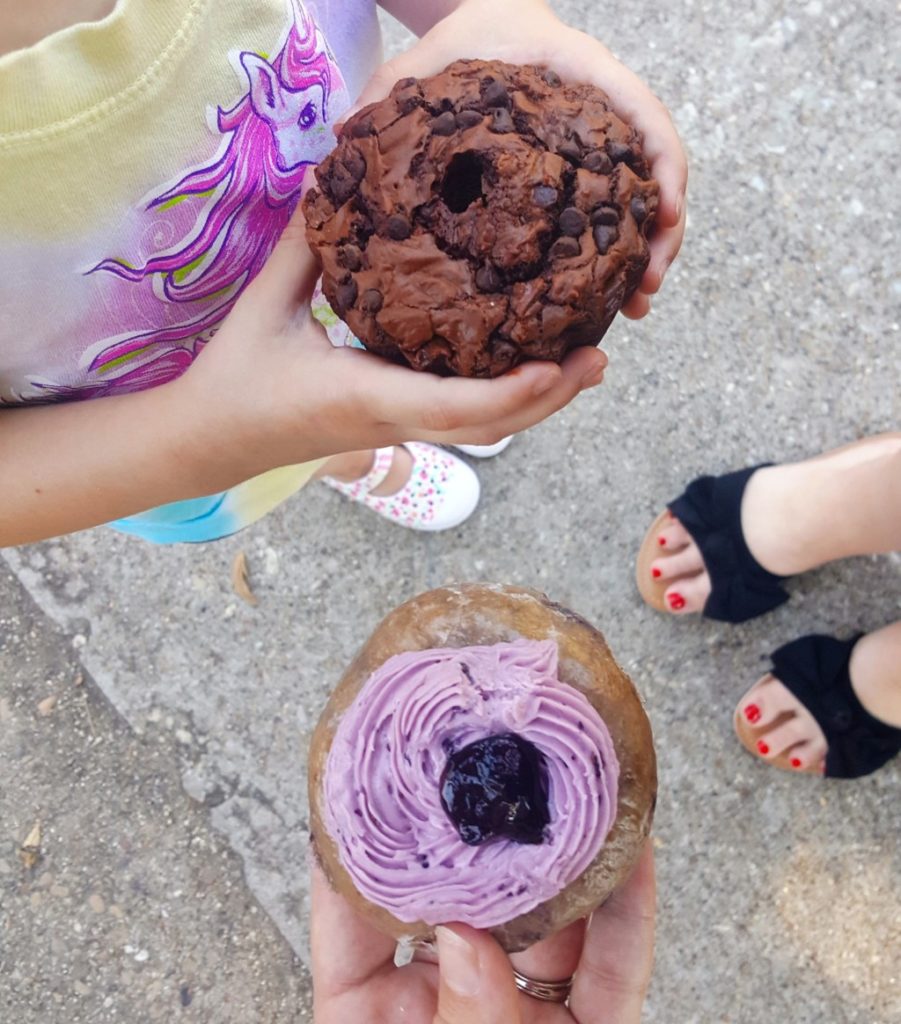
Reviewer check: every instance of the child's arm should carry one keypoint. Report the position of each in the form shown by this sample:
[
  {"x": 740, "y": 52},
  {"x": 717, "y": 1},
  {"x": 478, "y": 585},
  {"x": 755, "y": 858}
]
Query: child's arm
[
  {"x": 269, "y": 390},
  {"x": 527, "y": 31}
]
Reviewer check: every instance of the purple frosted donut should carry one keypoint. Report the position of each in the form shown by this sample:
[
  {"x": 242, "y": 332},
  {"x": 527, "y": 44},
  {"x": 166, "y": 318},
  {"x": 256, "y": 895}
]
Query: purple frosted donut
[{"x": 383, "y": 780}]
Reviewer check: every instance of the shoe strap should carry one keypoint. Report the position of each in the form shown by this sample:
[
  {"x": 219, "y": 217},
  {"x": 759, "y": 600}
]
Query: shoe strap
[
  {"x": 364, "y": 485},
  {"x": 710, "y": 510}
]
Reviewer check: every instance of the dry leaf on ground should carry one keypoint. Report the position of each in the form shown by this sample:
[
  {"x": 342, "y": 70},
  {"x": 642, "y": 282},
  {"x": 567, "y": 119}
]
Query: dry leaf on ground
[
  {"x": 30, "y": 850},
  {"x": 47, "y": 705},
  {"x": 241, "y": 581}
]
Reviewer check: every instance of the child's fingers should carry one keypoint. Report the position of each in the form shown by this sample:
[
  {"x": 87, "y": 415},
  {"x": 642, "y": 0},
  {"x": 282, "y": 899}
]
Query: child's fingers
[
  {"x": 635, "y": 103},
  {"x": 665, "y": 246},
  {"x": 289, "y": 275},
  {"x": 585, "y": 58},
  {"x": 429, "y": 408}
]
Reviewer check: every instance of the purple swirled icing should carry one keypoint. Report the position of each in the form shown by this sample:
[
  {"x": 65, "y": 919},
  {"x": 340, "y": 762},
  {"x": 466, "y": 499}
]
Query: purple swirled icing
[{"x": 381, "y": 792}]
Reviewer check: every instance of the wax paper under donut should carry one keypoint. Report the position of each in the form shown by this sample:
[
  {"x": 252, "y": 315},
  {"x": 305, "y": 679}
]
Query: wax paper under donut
[{"x": 382, "y": 801}]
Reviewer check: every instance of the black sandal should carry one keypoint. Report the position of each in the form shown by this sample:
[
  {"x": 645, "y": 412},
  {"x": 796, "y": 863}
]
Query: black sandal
[
  {"x": 710, "y": 510},
  {"x": 815, "y": 669}
]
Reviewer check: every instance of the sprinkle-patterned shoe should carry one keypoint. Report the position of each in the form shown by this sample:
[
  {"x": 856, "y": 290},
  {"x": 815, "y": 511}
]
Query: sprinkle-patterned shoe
[
  {"x": 441, "y": 493},
  {"x": 484, "y": 451}
]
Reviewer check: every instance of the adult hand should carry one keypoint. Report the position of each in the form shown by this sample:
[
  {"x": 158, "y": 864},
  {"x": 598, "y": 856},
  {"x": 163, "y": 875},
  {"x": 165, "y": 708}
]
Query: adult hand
[
  {"x": 354, "y": 977},
  {"x": 271, "y": 390},
  {"x": 527, "y": 32}
]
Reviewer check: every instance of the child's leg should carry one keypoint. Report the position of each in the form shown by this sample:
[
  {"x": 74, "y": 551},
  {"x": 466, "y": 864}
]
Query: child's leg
[
  {"x": 801, "y": 515},
  {"x": 351, "y": 466}
]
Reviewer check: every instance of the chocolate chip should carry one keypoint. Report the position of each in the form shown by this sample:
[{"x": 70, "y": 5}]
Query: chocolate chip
[
  {"x": 619, "y": 151},
  {"x": 544, "y": 196},
  {"x": 598, "y": 162},
  {"x": 469, "y": 118},
  {"x": 398, "y": 227},
  {"x": 371, "y": 301},
  {"x": 341, "y": 184},
  {"x": 554, "y": 321},
  {"x": 345, "y": 296},
  {"x": 552, "y": 78},
  {"x": 604, "y": 236},
  {"x": 350, "y": 257},
  {"x": 573, "y": 221},
  {"x": 355, "y": 164},
  {"x": 569, "y": 150},
  {"x": 605, "y": 215},
  {"x": 565, "y": 247},
  {"x": 444, "y": 124},
  {"x": 501, "y": 121},
  {"x": 360, "y": 129},
  {"x": 639, "y": 209},
  {"x": 496, "y": 95},
  {"x": 487, "y": 279}
]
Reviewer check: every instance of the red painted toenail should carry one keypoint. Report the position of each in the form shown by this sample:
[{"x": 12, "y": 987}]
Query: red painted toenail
[
  {"x": 796, "y": 762},
  {"x": 763, "y": 747},
  {"x": 656, "y": 573},
  {"x": 676, "y": 602},
  {"x": 661, "y": 541},
  {"x": 752, "y": 713}
]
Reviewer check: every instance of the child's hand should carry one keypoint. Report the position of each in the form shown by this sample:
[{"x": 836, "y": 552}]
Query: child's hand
[
  {"x": 527, "y": 32},
  {"x": 270, "y": 390}
]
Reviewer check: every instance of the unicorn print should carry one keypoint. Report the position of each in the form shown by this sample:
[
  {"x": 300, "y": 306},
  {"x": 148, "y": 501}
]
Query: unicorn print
[{"x": 222, "y": 218}]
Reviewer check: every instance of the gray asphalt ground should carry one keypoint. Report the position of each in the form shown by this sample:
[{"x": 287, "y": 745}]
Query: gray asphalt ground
[{"x": 170, "y": 782}]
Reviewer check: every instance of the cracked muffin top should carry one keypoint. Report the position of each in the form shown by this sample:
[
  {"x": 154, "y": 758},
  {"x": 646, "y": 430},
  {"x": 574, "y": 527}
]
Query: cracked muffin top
[{"x": 482, "y": 217}]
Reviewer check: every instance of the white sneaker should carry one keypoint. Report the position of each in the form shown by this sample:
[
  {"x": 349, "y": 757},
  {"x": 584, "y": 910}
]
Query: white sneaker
[
  {"x": 442, "y": 491},
  {"x": 484, "y": 451}
]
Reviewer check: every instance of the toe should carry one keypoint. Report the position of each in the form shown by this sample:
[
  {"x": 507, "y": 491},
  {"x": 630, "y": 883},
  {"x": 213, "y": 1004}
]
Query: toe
[
  {"x": 780, "y": 740},
  {"x": 688, "y": 562},
  {"x": 673, "y": 536},
  {"x": 762, "y": 705},
  {"x": 784, "y": 728},
  {"x": 808, "y": 756},
  {"x": 688, "y": 595}
]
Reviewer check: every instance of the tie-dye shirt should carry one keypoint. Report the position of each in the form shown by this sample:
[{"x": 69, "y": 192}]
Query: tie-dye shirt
[{"x": 148, "y": 164}]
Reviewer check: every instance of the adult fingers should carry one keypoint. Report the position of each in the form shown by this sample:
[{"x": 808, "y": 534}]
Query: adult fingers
[
  {"x": 346, "y": 949},
  {"x": 615, "y": 969},
  {"x": 475, "y": 979},
  {"x": 555, "y": 958}
]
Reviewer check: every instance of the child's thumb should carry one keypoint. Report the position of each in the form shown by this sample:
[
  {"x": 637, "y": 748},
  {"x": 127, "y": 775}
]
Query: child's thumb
[
  {"x": 476, "y": 980},
  {"x": 289, "y": 275}
]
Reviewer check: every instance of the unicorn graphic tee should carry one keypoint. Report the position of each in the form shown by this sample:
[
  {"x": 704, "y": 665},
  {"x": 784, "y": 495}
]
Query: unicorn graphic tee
[
  {"x": 148, "y": 164},
  {"x": 138, "y": 288}
]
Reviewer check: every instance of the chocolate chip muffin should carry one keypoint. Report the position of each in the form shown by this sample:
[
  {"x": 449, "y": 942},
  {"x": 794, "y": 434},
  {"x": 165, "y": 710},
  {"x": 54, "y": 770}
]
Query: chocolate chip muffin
[{"x": 485, "y": 216}]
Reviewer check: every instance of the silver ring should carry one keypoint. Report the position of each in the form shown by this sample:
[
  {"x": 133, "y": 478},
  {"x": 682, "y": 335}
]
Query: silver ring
[{"x": 547, "y": 991}]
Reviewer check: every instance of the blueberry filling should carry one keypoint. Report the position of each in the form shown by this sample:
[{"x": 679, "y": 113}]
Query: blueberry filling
[{"x": 497, "y": 788}]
